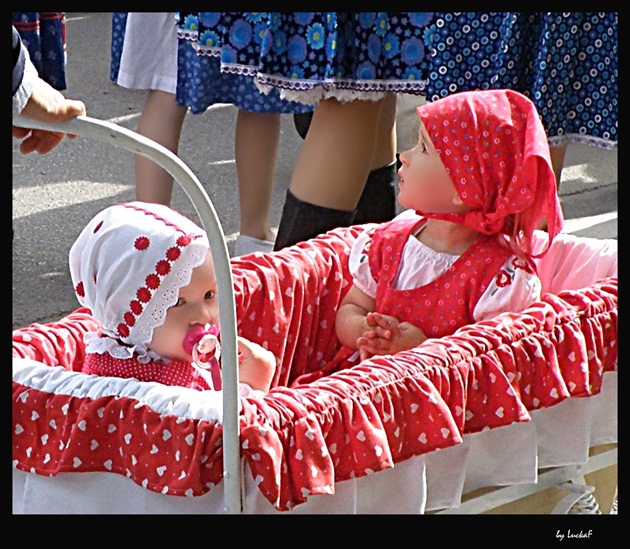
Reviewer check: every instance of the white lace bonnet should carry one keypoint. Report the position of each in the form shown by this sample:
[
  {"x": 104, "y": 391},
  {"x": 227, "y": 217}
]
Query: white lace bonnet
[{"x": 127, "y": 267}]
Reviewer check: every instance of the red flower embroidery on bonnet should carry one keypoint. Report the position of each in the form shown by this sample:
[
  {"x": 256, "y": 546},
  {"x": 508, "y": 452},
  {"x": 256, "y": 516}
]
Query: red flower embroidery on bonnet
[
  {"x": 80, "y": 288},
  {"x": 152, "y": 280},
  {"x": 142, "y": 243}
]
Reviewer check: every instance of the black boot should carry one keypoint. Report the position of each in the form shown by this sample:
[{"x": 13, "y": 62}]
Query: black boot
[
  {"x": 378, "y": 201},
  {"x": 301, "y": 221},
  {"x": 302, "y": 122}
]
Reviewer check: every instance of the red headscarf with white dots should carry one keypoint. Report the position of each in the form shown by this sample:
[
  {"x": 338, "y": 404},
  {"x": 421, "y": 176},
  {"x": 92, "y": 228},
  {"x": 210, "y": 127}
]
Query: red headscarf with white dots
[
  {"x": 127, "y": 267},
  {"x": 495, "y": 149}
]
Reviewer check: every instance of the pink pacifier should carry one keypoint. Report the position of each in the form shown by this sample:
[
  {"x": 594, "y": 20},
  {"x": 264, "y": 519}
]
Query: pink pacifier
[{"x": 202, "y": 343}]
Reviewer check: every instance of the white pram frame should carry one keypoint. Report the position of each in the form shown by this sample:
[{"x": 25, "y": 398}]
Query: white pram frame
[{"x": 133, "y": 142}]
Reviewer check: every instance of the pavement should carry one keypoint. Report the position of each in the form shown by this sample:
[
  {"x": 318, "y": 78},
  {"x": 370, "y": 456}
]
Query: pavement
[{"x": 55, "y": 195}]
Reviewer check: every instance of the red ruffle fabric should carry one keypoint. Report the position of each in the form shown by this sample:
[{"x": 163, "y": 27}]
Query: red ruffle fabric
[
  {"x": 58, "y": 343},
  {"x": 301, "y": 441}
]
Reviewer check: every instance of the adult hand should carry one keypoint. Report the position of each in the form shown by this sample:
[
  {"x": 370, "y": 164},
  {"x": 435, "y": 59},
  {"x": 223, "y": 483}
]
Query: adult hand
[{"x": 46, "y": 104}]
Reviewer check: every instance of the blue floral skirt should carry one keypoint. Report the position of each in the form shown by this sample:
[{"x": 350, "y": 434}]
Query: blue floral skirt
[
  {"x": 202, "y": 80},
  {"x": 286, "y": 62},
  {"x": 566, "y": 63},
  {"x": 44, "y": 35},
  {"x": 308, "y": 56},
  {"x": 201, "y": 83},
  {"x": 119, "y": 23}
]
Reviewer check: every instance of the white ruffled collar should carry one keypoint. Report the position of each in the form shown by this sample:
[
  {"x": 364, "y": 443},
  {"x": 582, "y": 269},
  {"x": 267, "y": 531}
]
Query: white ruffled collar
[{"x": 102, "y": 343}]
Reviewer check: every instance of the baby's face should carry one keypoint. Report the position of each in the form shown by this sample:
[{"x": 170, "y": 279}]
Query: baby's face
[
  {"x": 424, "y": 182},
  {"x": 197, "y": 304}
]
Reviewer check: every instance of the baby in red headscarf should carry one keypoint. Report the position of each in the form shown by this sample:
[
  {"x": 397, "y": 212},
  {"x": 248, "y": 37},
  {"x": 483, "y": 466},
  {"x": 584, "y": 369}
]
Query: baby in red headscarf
[{"x": 480, "y": 182}]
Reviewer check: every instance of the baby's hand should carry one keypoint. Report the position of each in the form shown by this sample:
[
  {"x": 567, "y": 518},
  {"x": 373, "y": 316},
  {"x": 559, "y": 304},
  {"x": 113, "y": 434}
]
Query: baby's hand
[
  {"x": 383, "y": 326},
  {"x": 257, "y": 365},
  {"x": 388, "y": 337},
  {"x": 379, "y": 328}
]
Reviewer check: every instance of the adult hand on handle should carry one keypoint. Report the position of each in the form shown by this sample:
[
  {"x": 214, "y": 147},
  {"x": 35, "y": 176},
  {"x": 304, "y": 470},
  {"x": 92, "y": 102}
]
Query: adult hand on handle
[{"x": 47, "y": 105}]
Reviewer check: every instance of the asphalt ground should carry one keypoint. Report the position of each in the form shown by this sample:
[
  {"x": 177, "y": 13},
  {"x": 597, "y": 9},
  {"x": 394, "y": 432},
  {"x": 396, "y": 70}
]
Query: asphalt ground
[{"x": 55, "y": 195}]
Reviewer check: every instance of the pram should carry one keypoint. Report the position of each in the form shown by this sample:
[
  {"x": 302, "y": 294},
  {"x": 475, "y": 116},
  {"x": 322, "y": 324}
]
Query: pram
[{"x": 417, "y": 432}]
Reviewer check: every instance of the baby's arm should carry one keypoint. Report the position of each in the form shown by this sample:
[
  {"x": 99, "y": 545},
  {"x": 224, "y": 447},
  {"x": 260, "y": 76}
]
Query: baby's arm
[
  {"x": 351, "y": 319},
  {"x": 257, "y": 365}
]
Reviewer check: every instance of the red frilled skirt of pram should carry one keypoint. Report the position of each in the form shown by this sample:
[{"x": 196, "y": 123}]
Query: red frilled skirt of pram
[{"x": 299, "y": 441}]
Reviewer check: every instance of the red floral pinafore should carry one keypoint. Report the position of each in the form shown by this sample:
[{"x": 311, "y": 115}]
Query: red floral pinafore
[
  {"x": 444, "y": 305},
  {"x": 438, "y": 308}
]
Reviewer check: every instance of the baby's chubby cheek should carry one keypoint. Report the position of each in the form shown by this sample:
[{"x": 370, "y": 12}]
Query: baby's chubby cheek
[{"x": 168, "y": 343}]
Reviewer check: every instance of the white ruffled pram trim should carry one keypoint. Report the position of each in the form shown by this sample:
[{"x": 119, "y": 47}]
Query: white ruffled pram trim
[{"x": 162, "y": 399}]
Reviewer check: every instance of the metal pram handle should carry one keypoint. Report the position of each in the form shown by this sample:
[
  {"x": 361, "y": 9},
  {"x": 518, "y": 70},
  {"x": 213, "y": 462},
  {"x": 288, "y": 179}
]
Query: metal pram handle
[{"x": 134, "y": 142}]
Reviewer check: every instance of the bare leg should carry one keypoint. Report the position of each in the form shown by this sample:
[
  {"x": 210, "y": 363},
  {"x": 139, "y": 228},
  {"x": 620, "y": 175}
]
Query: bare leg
[
  {"x": 378, "y": 199},
  {"x": 385, "y": 137},
  {"x": 256, "y": 150},
  {"x": 333, "y": 182},
  {"x": 161, "y": 120},
  {"x": 337, "y": 154},
  {"x": 557, "y": 161}
]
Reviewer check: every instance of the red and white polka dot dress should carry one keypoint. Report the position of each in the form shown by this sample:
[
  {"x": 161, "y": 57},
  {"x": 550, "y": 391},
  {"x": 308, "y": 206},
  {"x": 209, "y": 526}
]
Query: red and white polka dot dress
[{"x": 182, "y": 374}]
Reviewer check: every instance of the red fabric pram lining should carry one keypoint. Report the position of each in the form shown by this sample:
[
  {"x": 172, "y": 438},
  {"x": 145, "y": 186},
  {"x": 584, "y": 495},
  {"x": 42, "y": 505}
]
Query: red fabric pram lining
[{"x": 300, "y": 441}]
